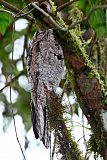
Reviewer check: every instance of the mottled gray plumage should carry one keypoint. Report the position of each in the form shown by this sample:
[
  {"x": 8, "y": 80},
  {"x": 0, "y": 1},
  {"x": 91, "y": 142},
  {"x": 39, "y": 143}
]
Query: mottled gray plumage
[{"x": 45, "y": 66}]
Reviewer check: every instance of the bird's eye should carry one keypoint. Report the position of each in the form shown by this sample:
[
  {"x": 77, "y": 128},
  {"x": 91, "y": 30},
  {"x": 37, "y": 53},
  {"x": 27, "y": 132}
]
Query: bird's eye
[{"x": 59, "y": 56}]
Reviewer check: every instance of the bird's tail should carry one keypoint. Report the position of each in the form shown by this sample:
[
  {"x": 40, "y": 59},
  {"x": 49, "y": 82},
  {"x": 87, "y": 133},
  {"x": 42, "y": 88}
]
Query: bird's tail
[{"x": 39, "y": 117}]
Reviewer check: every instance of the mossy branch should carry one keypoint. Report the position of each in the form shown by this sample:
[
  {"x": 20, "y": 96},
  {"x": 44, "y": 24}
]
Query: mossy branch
[{"x": 66, "y": 144}]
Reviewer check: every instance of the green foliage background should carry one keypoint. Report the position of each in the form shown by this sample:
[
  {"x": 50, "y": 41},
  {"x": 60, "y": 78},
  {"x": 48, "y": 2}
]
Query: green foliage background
[{"x": 22, "y": 104}]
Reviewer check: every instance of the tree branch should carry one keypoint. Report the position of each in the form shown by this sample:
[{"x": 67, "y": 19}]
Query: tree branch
[
  {"x": 6, "y": 11},
  {"x": 49, "y": 17},
  {"x": 15, "y": 10},
  {"x": 88, "y": 16},
  {"x": 65, "y": 144},
  {"x": 13, "y": 80},
  {"x": 65, "y": 5},
  {"x": 24, "y": 14}
]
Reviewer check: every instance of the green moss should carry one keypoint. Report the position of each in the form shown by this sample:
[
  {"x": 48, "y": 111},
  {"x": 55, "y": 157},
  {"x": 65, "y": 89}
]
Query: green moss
[
  {"x": 98, "y": 139},
  {"x": 72, "y": 38},
  {"x": 70, "y": 82},
  {"x": 94, "y": 74},
  {"x": 56, "y": 15},
  {"x": 97, "y": 145},
  {"x": 64, "y": 137},
  {"x": 53, "y": 7},
  {"x": 76, "y": 45}
]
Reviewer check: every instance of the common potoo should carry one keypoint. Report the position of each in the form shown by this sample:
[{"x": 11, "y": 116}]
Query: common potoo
[{"x": 45, "y": 66}]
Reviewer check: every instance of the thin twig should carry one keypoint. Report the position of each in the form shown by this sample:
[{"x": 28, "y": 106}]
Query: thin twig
[
  {"x": 26, "y": 42},
  {"x": 11, "y": 95},
  {"x": 87, "y": 17},
  {"x": 49, "y": 17},
  {"x": 81, "y": 137},
  {"x": 15, "y": 123},
  {"x": 15, "y": 10},
  {"x": 50, "y": 145},
  {"x": 22, "y": 14},
  {"x": 23, "y": 9},
  {"x": 25, "y": 14},
  {"x": 98, "y": 55},
  {"x": 6, "y": 11},
  {"x": 65, "y": 5},
  {"x": 24, "y": 49},
  {"x": 95, "y": 8},
  {"x": 84, "y": 136},
  {"x": 76, "y": 23},
  {"x": 79, "y": 124},
  {"x": 16, "y": 132},
  {"x": 12, "y": 80}
]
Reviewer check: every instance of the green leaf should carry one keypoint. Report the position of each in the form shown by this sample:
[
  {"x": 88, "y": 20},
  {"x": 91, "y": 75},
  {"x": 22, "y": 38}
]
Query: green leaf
[
  {"x": 97, "y": 20},
  {"x": 82, "y": 5},
  {"x": 75, "y": 108},
  {"x": 4, "y": 22}
]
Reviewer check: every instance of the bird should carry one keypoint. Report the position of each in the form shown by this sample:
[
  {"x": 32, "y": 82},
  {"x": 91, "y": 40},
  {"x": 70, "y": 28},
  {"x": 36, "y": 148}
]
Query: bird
[{"x": 45, "y": 68}]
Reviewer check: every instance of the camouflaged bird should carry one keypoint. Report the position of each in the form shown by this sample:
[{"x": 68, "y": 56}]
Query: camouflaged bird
[{"x": 45, "y": 66}]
